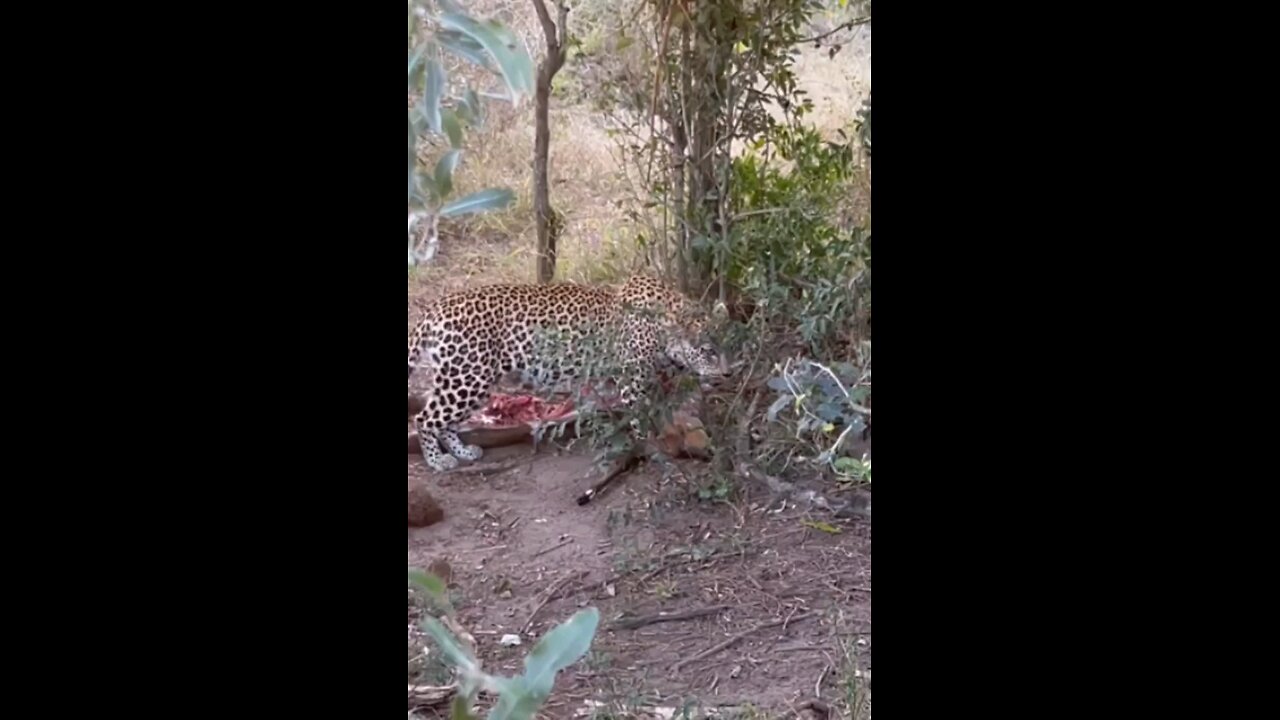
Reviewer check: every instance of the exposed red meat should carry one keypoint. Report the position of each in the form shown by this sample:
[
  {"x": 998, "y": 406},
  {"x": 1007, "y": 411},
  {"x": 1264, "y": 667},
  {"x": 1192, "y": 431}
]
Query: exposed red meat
[{"x": 511, "y": 410}]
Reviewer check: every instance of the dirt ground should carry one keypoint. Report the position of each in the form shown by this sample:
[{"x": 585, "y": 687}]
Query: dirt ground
[{"x": 789, "y": 585}]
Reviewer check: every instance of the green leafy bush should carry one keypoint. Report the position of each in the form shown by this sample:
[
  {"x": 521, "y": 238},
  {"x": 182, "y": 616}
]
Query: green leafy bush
[
  {"x": 791, "y": 255},
  {"x": 822, "y": 410}
]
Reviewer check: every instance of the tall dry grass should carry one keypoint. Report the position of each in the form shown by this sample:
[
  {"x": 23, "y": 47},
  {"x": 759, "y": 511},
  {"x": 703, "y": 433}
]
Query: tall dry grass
[{"x": 588, "y": 182}]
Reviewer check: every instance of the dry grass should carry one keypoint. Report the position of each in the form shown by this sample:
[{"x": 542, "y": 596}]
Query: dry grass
[{"x": 587, "y": 181}]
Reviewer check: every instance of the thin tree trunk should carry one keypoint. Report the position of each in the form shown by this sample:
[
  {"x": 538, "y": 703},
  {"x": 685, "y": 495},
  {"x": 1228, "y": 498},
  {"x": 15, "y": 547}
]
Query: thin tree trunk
[{"x": 548, "y": 224}]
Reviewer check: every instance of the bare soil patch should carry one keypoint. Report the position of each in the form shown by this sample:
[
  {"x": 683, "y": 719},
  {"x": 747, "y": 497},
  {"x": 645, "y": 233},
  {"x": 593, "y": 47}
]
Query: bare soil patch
[{"x": 768, "y": 605}]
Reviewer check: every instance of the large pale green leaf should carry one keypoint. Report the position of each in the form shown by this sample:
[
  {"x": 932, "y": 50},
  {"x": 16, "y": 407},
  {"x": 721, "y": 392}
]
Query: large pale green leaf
[
  {"x": 419, "y": 118},
  {"x": 453, "y": 652},
  {"x": 413, "y": 156},
  {"x": 415, "y": 59},
  {"x": 432, "y": 90},
  {"x": 483, "y": 201},
  {"x": 502, "y": 45},
  {"x": 444, "y": 172},
  {"x": 515, "y": 701},
  {"x": 559, "y": 649},
  {"x": 469, "y": 109},
  {"x": 429, "y": 582},
  {"x": 477, "y": 110},
  {"x": 466, "y": 48},
  {"x": 426, "y": 191},
  {"x": 452, "y": 127},
  {"x": 425, "y": 581},
  {"x": 463, "y": 110},
  {"x": 459, "y": 710}
]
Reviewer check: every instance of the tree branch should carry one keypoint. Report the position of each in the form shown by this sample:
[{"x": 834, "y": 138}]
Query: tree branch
[
  {"x": 842, "y": 26},
  {"x": 555, "y": 33}
]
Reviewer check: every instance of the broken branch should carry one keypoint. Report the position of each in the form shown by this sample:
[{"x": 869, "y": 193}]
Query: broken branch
[
  {"x": 645, "y": 620},
  {"x": 738, "y": 638}
]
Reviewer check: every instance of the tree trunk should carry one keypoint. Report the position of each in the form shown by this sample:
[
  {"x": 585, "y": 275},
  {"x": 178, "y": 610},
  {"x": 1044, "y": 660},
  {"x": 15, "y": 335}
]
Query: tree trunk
[{"x": 548, "y": 225}]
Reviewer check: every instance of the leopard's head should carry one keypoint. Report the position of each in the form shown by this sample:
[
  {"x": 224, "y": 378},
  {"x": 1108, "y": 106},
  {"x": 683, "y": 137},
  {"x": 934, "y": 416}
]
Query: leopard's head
[{"x": 691, "y": 344}]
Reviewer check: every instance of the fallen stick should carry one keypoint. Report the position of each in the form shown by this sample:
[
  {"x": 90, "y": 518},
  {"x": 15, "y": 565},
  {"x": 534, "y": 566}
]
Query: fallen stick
[
  {"x": 645, "y": 620},
  {"x": 818, "y": 706},
  {"x": 557, "y": 546},
  {"x": 430, "y": 695},
  {"x": 551, "y": 592},
  {"x": 737, "y": 638},
  {"x": 712, "y": 557},
  {"x": 630, "y": 461}
]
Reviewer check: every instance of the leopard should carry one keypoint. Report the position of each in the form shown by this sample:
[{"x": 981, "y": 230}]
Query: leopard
[{"x": 468, "y": 341}]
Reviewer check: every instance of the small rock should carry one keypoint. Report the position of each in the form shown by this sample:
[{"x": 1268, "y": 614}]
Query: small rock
[
  {"x": 509, "y": 640},
  {"x": 442, "y": 570}
]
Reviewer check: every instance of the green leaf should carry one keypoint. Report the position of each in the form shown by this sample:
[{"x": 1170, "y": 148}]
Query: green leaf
[
  {"x": 463, "y": 111},
  {"x": 469, "y": 109},
  {"x": 515, "y": 701},
  {"x": 466, "y": 48},
  {"x": 452, "y": 128},
  {"x": 432, "y": 90},
  {"x": 425, "y": 581},
  {"x": 429, "y": 582},
  {"x": 413, "y": 156},
  {"x": 483, "y": 201},
  {"x": 427, "y": 187},
  {"x": 460, "y": 711},
  {"x": 477, "y": 110},
  {"x": 420, "y": 123},
  {"x": 501, "y": 44},
  {"x": 453, "y": 652},
  {"x": 415, "y": 59},
  {"x": 849, "y": 466},
  {"x": 831, "y": 411},
  {"x": 777, "y": 407},
  {"x": 559, "y": 649},
  {"x": 846, "y": 371},
  {"x": 444, "y": 172}
]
